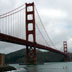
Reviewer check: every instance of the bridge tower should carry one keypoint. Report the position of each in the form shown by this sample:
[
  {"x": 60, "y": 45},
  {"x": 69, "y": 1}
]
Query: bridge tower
[
  {"x": 30, "y": 51},
  {"x": 65, "y": 51}
]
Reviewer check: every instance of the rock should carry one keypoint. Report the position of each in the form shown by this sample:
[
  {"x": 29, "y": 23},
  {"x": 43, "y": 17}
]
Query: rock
[{"x": 6, "y": 68}]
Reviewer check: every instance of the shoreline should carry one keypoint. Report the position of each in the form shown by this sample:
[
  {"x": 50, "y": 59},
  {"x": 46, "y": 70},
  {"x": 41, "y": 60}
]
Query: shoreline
[{"x": 6, "y": 68}]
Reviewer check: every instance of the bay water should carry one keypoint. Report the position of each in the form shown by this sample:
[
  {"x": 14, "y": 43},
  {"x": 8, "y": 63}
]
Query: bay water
[{"x": 46, "y": 67}]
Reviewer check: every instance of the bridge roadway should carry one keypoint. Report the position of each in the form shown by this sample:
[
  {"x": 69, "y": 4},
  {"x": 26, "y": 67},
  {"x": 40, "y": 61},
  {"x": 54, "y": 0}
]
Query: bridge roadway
[{"x": 11, "y": 39}]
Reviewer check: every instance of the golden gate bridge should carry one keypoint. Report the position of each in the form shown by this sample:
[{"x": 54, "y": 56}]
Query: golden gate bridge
[{"x": 15, "y": 22}]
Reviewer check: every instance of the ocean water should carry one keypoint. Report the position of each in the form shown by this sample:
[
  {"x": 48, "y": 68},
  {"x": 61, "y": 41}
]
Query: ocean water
[{"x": 47, "y": 67}]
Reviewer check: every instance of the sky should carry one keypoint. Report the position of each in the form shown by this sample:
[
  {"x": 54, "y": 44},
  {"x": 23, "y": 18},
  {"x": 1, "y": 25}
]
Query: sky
[{"x": 56, "y": 16}]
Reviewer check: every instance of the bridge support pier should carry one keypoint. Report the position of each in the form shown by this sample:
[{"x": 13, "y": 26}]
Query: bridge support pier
[{"x": 30, "y": 51}]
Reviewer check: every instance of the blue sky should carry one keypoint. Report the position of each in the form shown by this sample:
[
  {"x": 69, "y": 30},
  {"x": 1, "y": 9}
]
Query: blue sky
[{"x": 56, "y": 16}]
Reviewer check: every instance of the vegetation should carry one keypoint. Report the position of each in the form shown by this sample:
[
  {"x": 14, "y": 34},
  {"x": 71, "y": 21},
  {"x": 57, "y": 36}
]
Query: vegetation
[{"x": 20, "y": 57}]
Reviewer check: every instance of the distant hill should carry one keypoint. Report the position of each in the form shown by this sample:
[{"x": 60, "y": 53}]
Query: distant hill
[
  {"x": 20, "y": 57},
  {"x": 70, "y": 55}
]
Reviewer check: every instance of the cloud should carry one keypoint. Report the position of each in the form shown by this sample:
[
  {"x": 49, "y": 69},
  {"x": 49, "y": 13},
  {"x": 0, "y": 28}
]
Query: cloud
[
  {"x": 53, "y": 13},
  {"x": 56, "y": 16}
]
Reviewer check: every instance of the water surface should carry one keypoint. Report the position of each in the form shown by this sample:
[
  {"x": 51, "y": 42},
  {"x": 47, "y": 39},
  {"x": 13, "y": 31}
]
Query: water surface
[{"x": 47, "y": 67}]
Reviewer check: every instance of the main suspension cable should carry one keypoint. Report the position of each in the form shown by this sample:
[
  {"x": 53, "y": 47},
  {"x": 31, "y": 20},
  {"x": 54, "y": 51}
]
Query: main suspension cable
[
  {"x": 42, "y": 35},
  {"x": 12, "y": 13},
  {"x": 44, "y": 28},
  {"x": 12, "y": 10}
]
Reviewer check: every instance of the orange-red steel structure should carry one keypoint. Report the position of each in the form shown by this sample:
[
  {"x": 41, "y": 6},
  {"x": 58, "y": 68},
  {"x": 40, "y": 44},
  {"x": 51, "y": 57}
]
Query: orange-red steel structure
[
  {"x": 30, "y": 51},
  {"x": 30, "y": 46},
  {"x": 11, "y": 39},
  {"x": 65, "y": 47},
  {"x": 65, "y": 50}
]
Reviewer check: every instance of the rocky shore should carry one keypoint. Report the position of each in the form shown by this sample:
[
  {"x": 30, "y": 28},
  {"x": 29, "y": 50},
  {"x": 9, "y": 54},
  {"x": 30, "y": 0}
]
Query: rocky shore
[{"x": 6, "y": 68}]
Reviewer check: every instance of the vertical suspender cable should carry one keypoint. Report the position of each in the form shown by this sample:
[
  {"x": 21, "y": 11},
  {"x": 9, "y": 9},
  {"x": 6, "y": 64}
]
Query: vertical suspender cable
[
  {"x": 42, "y": 35},
  {"x": 44, "y": 28}
]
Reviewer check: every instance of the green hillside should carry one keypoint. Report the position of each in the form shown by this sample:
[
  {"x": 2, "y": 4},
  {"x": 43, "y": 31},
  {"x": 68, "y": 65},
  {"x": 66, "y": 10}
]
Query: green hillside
[{"x": 20, "y": 57}]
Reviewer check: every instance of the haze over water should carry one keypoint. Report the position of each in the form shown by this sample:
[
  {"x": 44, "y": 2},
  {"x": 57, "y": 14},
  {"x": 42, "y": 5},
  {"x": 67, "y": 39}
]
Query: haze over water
[{"x": 47, "y": 67}]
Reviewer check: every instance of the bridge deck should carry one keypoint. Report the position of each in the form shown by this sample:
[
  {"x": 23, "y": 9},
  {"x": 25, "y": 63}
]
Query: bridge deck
[{"x": 15, "y": 40}]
